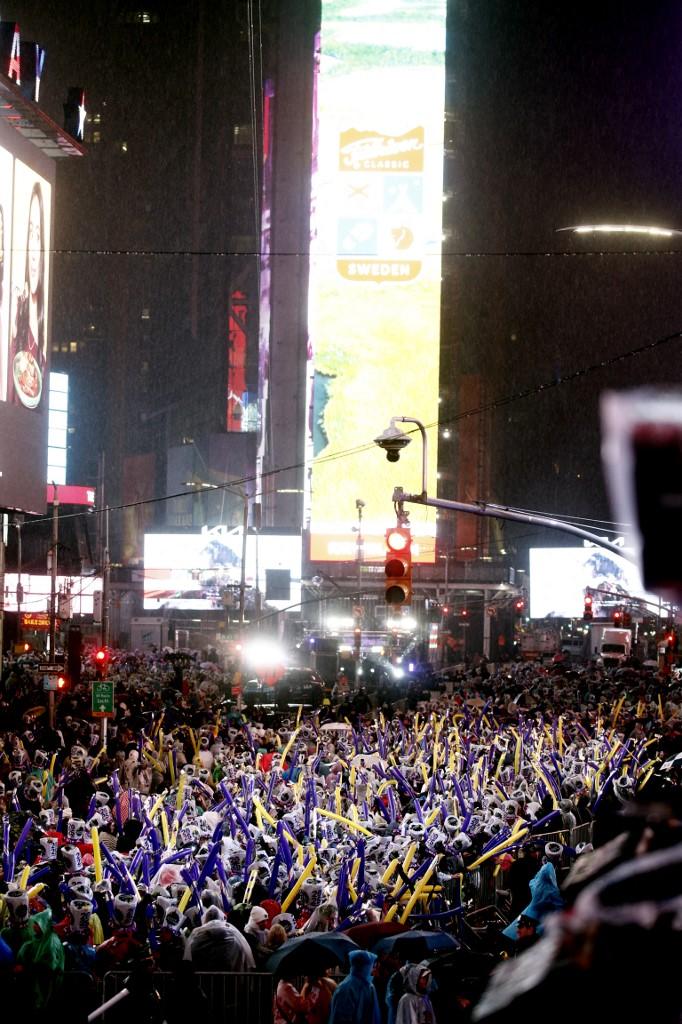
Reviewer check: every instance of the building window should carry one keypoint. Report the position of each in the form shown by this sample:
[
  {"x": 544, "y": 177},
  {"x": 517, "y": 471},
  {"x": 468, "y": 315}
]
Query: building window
[
  {"x": 139, "y": 17},
  {"x": 73, "y": 346},
  {"x": 242, "y": 135}
]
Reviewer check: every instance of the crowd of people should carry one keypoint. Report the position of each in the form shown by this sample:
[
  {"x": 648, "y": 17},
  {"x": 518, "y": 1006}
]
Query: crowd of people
[{"x": 201, "y": 838}]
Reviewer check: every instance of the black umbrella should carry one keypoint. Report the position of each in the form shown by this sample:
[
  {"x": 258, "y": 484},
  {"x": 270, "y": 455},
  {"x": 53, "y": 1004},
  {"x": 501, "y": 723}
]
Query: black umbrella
[
  {"x": 416, "y": 945},
  {"x": 308, "y": 953}
]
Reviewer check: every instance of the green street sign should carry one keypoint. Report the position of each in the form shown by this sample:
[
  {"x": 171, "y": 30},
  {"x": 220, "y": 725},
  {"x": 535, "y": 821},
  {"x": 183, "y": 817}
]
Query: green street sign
[{"x": 102, "y": 698}]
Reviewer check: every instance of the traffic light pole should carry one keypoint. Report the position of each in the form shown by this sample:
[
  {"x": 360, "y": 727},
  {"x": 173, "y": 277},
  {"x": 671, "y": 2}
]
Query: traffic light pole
[
  {"x": 106, "y": 581},
  {"x": 481, "y": 508},
  {"x": 502, "y": 512},
  {"x": 53, "y": 595}
]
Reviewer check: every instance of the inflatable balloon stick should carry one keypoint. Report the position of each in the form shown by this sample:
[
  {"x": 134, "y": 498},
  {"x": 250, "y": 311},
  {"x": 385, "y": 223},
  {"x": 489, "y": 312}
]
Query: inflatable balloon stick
[
  {"x": 345, "y": 821},
  {"x": 96, "y": 853},
  {"x": 419, "y": 890},
  {"x": 306, "y": 873},
  {"x": 184, "y": 900}
]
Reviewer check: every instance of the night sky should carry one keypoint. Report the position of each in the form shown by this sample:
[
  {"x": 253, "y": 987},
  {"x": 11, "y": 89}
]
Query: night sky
[{"x": 562, "y": 113}]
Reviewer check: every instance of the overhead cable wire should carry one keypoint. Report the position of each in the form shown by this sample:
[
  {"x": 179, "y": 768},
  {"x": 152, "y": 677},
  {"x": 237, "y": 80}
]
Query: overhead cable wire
[{"x": 498, "y": 403}]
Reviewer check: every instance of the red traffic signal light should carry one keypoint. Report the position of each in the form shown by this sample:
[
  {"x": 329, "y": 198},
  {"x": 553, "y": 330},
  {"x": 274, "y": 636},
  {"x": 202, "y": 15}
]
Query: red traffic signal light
[
  {"x": 101, "y": 656},
  {"x": 587, "y": 609},
  {"x": 464, "y": 613},
  {"x": 101, "y": 659},
  {"x": 617, "y": 617},
  {"x": 398, "y": 566},
  {"x": 519, "y": 605}
]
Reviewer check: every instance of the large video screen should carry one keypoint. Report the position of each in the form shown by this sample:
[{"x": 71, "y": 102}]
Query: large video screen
[
  {"x": 202, "y": 571},
  {"x": 375, "y": 264},
  {"x": 559, "y": 577},
  {"x": 25, "y": 240},
  {"x": 36, "y": 592}
]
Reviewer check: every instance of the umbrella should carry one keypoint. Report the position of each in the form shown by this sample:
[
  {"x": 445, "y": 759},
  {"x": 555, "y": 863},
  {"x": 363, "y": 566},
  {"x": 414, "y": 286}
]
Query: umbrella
[
  {"x": 367, "y": 935},
  {"x": 39, "y": 709},
  {"x": 415, "y": 945},
  {"x": 306, "y": 953}
]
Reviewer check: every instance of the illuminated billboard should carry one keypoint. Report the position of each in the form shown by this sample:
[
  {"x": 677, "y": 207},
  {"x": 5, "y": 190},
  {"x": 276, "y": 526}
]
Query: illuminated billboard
[
  {"x": 25, "y": 238},
  {"x": 559, "y": 577},
  {"x": 57, "y": 428},
  {"x": 202, "y": 571},
  {"x": 375, "y": 263},
  {"x": 76, "y": 591}
]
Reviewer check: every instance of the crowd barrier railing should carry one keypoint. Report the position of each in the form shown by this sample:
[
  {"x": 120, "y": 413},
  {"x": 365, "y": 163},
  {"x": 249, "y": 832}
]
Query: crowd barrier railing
[
  {"x": 246, "y": 997},
  {"x": 486, "y": 886}
]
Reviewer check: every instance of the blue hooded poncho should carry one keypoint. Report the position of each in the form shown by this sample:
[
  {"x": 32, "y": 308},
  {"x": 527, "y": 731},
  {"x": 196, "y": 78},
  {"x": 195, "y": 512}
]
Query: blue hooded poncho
[
  {"x": 545, "y": 899},
  {"x": 355, "y": 1000}
]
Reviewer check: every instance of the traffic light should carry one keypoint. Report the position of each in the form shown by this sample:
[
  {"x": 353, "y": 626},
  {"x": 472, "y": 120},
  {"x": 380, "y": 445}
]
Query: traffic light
[
  {"x": 617, "y": 617},
  {"x": 62, "y": 683},
  {"x": 398, "y": 566},
  {"x": 627, "y": 620},
  {"x": 519, "y": 606},
  {"x": 587, "y": 609},
  {"x": 101, "y": 658},
  {"x": 464, "y": 613}
]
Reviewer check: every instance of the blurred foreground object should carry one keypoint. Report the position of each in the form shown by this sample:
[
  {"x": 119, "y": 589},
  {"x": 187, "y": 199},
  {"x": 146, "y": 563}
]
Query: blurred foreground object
[{"x": 642, "y": 453}]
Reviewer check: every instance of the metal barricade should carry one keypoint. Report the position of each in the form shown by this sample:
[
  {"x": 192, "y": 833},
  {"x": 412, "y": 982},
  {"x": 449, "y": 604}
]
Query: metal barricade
[{"x": 246, "y": 996}]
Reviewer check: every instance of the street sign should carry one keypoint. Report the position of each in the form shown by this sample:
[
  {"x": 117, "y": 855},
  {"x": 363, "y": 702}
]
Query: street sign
[
  {"x": 103, "y": 698},
  {"x": 35, "y": 620}
]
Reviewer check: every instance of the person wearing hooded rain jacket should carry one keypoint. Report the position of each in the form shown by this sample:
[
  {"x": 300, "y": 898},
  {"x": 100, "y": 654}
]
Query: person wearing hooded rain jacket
[
  {"x": 42, "y": 958},
  {"x": 216, "y": 945},
  {"x": 545, "y": 895},
  {"x": 415, "y": 1006},
  {"x": 355, "y": 1000}
]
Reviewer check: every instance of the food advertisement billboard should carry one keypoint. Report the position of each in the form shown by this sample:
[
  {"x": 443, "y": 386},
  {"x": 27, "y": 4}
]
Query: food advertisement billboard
[
  {"x": 25, "y": 244},
  {"x": 375, "y": 264},
  {"x": 560, "y": 576}
]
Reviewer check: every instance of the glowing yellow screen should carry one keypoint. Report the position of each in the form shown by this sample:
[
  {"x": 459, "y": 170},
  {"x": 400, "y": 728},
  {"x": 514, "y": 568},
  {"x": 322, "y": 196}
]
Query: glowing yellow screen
[{"x": 375, "y": 266}]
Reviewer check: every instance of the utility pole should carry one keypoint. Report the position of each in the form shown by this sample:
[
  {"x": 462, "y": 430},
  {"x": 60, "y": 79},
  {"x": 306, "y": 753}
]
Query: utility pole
[
  {"x": 357, "y": 648},
  {"x": 3, "y": 541},
  {"x": 257, "y": 523},
  {"x": 242, "y": 579},
  {"x": 53, "y": 594}
]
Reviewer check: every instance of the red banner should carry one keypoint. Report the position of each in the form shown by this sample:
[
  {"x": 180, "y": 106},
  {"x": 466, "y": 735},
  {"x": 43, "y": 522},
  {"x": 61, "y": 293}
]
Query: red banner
[{"x": 236, "y": 361}]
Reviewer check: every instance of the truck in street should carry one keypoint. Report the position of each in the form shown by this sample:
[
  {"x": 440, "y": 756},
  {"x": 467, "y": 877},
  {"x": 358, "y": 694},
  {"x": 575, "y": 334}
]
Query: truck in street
[{"x": 610, "y": 645}]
